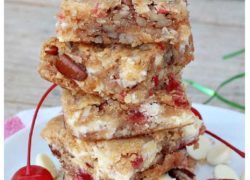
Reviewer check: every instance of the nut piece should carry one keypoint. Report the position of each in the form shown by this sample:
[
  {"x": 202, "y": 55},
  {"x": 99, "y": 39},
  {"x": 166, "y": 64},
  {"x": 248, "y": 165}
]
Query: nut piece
[
  {"x": 225, "y": 172},
  {"x": 51, "y": 50},
  {"x": 200, "y": 152},
  {"x": 66, "y": 66},
  {"x": 44, "y": 161},
  {"x": 219, "y": 154}
]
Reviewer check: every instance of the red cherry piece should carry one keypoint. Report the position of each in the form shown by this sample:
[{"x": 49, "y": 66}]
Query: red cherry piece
[
  {"x": 137, "y": 117},
  {"x": 123, "y": 94},
  {"x": 60, "y": 16},
  {"x": 54, "y": 151},
  {"x": 101, "y": 14},
  {"x": 151, "y": 92},
  {"x": 102, "y": 106},
  {"x": 163, "y": 11},
  {"x": 179, "y": 98},
  {"x": 156, "y": 80},
  {"x": 175, "y": 89},
  {"x": 95, "y": 10},
  {"x": 196, "y": 113},
  {"x": 98, "y": 12},
  {"x": 161, "y": 46},
  {"x": 83, "y": 176},
  {"x": 172, "y": 84},
  {"x": 70, "y": 69},
  {"x": 51, "y": 50},
  {"x": 137, "y": 162},
  {"x": 36, "y": 173},
  {"x": 180, "y": 101}
]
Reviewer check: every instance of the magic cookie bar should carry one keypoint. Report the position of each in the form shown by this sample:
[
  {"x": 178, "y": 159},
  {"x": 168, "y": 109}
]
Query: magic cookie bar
[
  {"x": 92, "y": 117},
  {"x": 112, "y": 159},
  {"x": 111, "y": 70},
  {"x": 132, "y": 22}
]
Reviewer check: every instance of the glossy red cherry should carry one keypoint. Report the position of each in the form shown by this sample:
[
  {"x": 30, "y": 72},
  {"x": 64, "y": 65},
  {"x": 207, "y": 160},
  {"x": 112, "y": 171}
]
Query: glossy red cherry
[
  {"x": 35, "y": 173},
  {"x": 32, "y": 172}
]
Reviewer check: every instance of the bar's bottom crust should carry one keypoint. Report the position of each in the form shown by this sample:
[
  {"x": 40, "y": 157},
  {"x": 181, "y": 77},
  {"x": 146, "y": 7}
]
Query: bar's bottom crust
[{"x": 172, "y": 164}]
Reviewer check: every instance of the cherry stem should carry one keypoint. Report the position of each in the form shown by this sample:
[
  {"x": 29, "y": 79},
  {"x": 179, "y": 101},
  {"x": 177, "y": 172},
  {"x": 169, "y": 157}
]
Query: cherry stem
[
  {"x": 33, "y": 125},
  {"x": 241, "y": 153}
]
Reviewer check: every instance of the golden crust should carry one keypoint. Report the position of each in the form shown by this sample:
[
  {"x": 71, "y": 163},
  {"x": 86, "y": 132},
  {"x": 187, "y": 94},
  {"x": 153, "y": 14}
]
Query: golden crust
[{"x": 169, "y": 162}]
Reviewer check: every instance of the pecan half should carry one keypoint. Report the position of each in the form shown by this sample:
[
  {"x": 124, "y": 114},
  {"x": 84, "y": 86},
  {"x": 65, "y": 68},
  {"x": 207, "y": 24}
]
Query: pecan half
[{"x": 70, "y": 69}]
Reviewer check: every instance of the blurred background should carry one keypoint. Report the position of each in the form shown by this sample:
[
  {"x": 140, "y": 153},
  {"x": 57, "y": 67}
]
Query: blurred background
[{"x": 218, "y": 30}]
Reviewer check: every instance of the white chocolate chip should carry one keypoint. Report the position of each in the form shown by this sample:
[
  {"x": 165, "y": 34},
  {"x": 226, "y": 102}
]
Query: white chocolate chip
[
  {"x": 166, "y": 177},
  {"x": 225, "y": 172},
  {"x": 200, "y": 152},
  {"x": 44, "y": 161},
  {"x": 151, "y": 109},
  {"x": 191, "y": 131},
  {"x": 218, "y": 154}
]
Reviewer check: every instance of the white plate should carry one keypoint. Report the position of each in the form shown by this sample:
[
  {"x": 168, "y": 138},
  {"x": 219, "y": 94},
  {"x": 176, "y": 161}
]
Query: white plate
[{"x": 227, "y": 124}]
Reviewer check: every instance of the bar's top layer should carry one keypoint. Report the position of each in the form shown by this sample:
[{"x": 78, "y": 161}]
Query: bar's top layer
[
  {"x": 121, "y": 21},
  {"x": 120, "y": 158},
  {"x": 92, "y": 8}
]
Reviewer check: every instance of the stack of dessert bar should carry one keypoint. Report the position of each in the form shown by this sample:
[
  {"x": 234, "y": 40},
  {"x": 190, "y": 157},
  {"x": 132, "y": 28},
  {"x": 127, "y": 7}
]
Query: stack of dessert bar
[{"x": 126, "y": 113}]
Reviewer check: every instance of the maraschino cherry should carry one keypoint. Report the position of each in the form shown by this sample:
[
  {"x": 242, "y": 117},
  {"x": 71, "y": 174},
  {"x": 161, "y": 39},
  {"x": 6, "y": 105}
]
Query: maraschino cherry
[{"x": 33, "y": 172}]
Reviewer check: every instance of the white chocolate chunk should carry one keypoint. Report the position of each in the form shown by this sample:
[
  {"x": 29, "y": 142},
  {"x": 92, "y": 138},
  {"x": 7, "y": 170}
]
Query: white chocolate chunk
[
  {"x": 218, "y": 154},
  {"x": 192, "y": 130},
  {"x": 225, "y": 172},
  {"x": 200, "y": 152},
  {"x": 44, "y": 161},
  {"x": 166, "y": 177}
]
